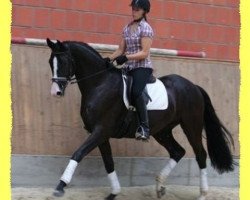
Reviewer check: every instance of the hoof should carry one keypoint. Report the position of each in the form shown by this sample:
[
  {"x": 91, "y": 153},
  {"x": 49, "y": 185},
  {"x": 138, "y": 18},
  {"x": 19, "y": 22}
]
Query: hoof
[
  {"x": 110, "y": 197},
  {"x": 161, "y": 192},
  {"x": 58, "y": 193},
  {"x": 202, "y": 196}
]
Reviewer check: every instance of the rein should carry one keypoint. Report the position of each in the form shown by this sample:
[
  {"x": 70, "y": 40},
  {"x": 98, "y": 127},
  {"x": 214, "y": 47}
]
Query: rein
[{"x": 89, "y": 76}]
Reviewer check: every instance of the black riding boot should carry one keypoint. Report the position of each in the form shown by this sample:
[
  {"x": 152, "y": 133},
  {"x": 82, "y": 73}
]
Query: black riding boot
[{"x": 142, "y": 132}]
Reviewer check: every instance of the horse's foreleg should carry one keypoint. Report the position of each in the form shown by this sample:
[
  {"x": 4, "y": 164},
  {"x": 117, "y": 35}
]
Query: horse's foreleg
[
  {"x": 82, "y": 151},
  {"x": 107, "y": 157},
  {"x": 176, "y": 152}
]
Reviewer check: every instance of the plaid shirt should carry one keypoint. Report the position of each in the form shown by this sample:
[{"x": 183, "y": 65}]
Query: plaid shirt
[{"x": 133, "y": 43}]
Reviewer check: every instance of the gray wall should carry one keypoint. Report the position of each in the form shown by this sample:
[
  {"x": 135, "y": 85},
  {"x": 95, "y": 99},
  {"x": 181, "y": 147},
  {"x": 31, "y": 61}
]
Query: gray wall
[{"x": 47, "y": 171}]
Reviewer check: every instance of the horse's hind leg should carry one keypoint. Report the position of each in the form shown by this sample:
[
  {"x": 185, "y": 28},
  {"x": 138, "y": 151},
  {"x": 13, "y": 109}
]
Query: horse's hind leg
[
  {"x": 107, "y": 158},
  {"x": 193, "y": 132},
  {"x": 166, "y": 139}
]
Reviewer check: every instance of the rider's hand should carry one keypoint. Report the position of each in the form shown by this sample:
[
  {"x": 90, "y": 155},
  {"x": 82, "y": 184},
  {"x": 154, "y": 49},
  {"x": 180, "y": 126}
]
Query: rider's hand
[{"x": 121, "y": 59}]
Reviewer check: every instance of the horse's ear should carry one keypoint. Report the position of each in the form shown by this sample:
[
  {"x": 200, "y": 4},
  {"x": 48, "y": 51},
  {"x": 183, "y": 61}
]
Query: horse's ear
[
  {"x": 50, "y": 44},
  {"x": 61, "y": 46}
]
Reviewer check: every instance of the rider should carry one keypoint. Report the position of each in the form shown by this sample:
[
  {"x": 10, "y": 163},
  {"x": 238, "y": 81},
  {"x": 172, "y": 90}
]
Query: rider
[{"x": 134, "y": 51}]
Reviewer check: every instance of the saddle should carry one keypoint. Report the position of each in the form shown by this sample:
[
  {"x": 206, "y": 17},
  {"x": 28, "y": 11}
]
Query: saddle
[
  {"x": 129, "y": 82},
  {"x": 154, "y": 94}
]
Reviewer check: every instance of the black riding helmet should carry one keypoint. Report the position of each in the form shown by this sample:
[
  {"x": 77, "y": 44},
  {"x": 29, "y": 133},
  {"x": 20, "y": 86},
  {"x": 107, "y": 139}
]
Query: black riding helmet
[{"x": 144, "y": 4}]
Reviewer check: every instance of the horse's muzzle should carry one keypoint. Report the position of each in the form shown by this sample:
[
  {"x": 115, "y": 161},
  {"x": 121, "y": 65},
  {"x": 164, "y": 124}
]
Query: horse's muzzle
[
  {"x": 56, "y": 91},
  {"x": 59, "y": 93}
]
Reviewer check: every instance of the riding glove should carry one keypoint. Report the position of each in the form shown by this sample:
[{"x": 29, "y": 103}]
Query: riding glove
[{"x": 121, "y": 59}]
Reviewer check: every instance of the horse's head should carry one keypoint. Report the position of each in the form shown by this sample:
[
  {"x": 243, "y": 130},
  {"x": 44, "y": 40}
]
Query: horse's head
[{"x": 62, "y": 67}]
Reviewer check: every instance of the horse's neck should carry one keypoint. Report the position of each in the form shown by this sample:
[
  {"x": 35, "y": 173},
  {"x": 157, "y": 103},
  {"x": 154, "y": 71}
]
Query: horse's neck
[{"x": 88, "y": 65}]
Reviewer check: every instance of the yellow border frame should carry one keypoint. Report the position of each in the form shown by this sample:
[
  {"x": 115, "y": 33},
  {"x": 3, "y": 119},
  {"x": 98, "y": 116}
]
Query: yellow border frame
[
  {"x": 244, "y": 107},
  {"x": 5, "y": 99},
  {"x": 6, "y": 114}
]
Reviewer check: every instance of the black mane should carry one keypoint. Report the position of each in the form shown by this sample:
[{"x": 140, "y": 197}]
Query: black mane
[
  {"x": 86, "y": 46},
  {"x": 92, "y": 50}
]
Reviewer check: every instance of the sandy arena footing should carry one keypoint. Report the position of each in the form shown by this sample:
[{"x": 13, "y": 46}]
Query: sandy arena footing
[{"x": 173, "y": 192}]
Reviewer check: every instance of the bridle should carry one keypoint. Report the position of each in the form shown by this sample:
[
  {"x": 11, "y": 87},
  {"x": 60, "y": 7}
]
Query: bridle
[
  {"x": 70, "y": 79},
  {"x": 64, "y": 80}
]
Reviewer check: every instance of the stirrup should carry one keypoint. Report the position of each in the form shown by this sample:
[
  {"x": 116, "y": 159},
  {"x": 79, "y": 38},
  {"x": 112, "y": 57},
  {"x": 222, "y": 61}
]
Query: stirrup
[{"x": 141, "y": 134}]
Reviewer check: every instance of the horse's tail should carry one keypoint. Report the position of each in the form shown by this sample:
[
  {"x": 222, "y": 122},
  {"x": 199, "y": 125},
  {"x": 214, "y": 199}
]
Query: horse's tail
[{"x": 218, "y": 138}]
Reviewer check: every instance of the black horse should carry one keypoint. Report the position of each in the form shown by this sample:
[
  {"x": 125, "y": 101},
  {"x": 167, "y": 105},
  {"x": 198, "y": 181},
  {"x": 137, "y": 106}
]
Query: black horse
[{"x": 105, "y": 115}]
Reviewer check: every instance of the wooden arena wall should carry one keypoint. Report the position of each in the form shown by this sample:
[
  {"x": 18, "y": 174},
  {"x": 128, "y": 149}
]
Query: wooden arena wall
[
  {"x": 44, "y": 125},
  {"x": 195, "y": 25}
]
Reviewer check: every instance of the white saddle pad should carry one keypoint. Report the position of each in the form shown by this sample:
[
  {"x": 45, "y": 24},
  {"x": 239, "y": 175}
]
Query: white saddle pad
[{"x": 157, "y": 93}]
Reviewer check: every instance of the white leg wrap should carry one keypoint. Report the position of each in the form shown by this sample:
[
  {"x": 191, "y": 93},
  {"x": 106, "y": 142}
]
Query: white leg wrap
[
  {"x": 114, "y": 182},
  {"x": 69, "y": 171},
  {"x": 203, "y": 180},
  {"x": 167, "y": 169}
]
